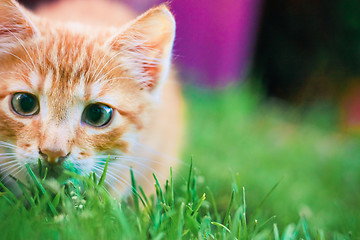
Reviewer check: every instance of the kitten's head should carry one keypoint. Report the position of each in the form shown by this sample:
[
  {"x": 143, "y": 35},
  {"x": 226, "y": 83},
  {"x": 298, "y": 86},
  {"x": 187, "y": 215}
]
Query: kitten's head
[{"x": 69, "y": 93}]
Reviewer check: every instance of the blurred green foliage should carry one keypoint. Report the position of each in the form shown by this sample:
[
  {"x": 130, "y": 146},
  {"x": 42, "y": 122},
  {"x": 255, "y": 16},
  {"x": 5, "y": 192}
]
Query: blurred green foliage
[{"x": 235, "y": 134}]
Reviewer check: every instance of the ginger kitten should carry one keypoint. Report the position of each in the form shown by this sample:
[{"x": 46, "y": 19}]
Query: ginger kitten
[{"x": 74, "y": 92}]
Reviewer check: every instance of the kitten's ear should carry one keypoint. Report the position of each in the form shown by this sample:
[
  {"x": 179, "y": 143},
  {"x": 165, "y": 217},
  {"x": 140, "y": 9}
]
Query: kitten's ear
[
  {"x": 14, "y": 25},
  {"x": 146, "y": 44}
]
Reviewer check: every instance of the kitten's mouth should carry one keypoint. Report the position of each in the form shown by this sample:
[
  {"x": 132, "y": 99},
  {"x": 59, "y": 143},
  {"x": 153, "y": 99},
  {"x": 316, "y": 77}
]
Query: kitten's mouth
[
  {"x": 49, "y": 170},
  {"x": 55, "y": 171},
  {"x": 56, "y": 168}
]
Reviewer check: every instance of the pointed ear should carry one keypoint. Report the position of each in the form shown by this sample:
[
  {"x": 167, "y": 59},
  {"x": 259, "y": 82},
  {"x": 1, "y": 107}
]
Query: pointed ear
[
  {"x": 14, "y": 25},
  {"x": 146, "y": 45}
]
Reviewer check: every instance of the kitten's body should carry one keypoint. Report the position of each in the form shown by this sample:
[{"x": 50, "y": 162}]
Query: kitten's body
[{"x": 71, "y": 65}]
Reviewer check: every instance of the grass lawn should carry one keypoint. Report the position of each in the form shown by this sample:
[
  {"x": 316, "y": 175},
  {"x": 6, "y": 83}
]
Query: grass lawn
[
  {"x": 263, "y": 142},
  {"x": 301, "y": 177}
]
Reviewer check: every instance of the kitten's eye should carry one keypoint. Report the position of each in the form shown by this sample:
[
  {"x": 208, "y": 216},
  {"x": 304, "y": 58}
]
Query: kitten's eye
[
  {"x": 97, "y": 115},
  {"x": 25, "y": 104}
]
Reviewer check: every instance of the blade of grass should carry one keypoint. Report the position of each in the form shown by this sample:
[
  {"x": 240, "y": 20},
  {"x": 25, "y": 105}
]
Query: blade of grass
[
  {"x": 7, "y": 199},
  {"x": 212, "y": 199},
  {"x": 188, "y": 186},
  {"x": 221, "y": 225},
  {"x": 40, "y": 167},
  {"x": 12, "y": 197},
  {"x": 103, "y": 175},
  {"x": 305, "y": 229},
  {"x": 56, "y": 199},
  {"x": 143, "y": 195},
  {"x": 198, "y": 205},
  {"x": 266, "y": 222},
  {"x": 135, "y": 194},
  {"x": 227, "y": 215},
  {"x": 258, "y": 207},
  {"x": 172, "y": 201},
  {"x": 276, "y": 232},
  {"x": 245, "y": 230},
  {"x": 26, "y": 194},
  {"x": 94, "y": 178},
  {"x": 45, "y": 175},
  {"x": 158, "y": 188},
  {"x": 42, "y": 189},
  {"x": 244, "y": 206},
  {"x": 181, "y": 221}
]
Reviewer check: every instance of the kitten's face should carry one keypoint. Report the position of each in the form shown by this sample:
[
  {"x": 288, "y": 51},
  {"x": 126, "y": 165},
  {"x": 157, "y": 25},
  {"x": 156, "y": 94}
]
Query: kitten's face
[{"x": 69, "y": 98}]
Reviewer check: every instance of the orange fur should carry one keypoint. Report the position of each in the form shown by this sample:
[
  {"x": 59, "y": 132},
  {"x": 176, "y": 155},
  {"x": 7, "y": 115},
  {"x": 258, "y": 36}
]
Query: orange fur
[{"x": 68, "y": 65}]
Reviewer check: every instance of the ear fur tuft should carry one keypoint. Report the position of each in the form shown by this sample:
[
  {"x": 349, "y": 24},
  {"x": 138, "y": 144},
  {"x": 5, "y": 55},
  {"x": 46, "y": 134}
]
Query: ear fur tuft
[
  {"x": 147, "y": 43},
  {"x": 14, "y": 25}
]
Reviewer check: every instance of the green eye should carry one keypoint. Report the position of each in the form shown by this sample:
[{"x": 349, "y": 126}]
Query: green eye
[
  {"x": 97, "y": 115},
  {"x": 25, "y": 104}
]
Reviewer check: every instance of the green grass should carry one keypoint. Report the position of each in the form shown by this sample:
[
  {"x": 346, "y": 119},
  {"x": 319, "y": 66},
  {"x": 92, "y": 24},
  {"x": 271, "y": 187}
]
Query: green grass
[
  {"x": 79, "y": 207},
  {"x": 237, "y": 134},
  {"x": 259, "y": 171}
]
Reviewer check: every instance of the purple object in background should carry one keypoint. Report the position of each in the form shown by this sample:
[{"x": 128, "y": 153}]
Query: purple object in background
[{"x": 215, "y": 38}]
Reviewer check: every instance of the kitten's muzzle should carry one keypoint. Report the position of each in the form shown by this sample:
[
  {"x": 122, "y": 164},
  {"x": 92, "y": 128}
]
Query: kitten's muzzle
[{"x": 53, "y": 156}]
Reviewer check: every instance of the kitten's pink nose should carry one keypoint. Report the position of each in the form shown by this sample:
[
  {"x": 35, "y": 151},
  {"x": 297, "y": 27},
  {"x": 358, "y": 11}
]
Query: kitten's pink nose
[{"x": 53, "y": 156}]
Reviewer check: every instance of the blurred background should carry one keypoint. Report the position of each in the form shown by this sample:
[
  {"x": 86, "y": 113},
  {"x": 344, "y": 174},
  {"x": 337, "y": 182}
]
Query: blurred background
[{"x": 279, "y": 84}]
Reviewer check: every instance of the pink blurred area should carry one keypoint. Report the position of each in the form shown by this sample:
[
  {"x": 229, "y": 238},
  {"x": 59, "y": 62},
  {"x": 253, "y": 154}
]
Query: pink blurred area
[{"x": 215, "y": 38}]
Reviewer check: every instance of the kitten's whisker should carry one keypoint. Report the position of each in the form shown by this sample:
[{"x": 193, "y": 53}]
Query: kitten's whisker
[
  {"x": 17, "y": 166},
  {"x": 109, "y": 173},
  {"x": 145, "y": 59},
  {"x": 7, "y": 154},
  {"x": 9, "y": 167},
  {"x": 77, "y": 167},
  {"x": 138, "y": 42},
  {"x": 117, "y": 54},
  {"x": 115, "y": 78},
  {"x": 147, "y": 148},
  {"x": 111, "y": 186},
  {"x": 17, "y": 73},
  {"x": 7, "y": 159},
  {"x": 21, "y": 43},
  {"x": 102, "y": 59},
  {"x": 9, "y": 144},
  {"x": 135, "y": 160},
  {"x": 37, "y": 47},
  {"x": 139, "y": 161},
  {"x": 44, "y": 54},
  {"x": 139, "y": 173},
  {"x": 123, "y": 182},
  {"x": 7, "y": 163},
  {"x": 144, "y": 166},
  {"x": 7, "y": 147},
  {"x": 91, "y": 59},
  {"x": 117, "y": 178},
  {"x": 13, "y": 173},
  {"x": 18, "y": 171},
  {"x": 126, "y": 157},
  {"x": 108, "y": 184}
]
